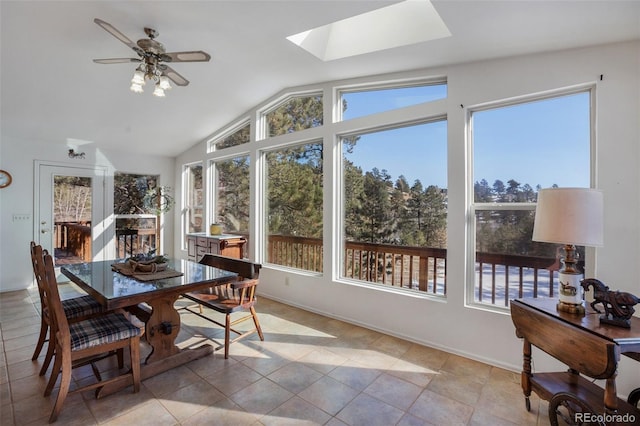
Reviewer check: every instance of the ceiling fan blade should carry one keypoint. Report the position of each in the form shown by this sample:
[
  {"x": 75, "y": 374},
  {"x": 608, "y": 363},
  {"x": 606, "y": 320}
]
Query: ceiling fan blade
[
  {"x": 115, "y": 60},
  {"x": 191, "y": 56},
  {"x": 114, "y": 32},
  {"x": 174, "y": 76}
]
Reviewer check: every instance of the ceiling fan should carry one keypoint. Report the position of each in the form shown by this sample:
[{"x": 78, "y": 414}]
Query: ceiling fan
[{"x": 152, "y": 60}]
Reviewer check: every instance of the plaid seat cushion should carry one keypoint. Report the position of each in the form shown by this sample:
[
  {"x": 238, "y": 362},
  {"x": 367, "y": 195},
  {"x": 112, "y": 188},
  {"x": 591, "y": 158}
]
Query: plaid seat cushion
[
  {"x": 98, "y": 331},
  {"x": 81, "y": 306}
]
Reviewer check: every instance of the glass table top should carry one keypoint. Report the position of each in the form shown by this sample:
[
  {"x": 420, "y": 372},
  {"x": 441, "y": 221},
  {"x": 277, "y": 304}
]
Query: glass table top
[{"x": 102, "y": 279}]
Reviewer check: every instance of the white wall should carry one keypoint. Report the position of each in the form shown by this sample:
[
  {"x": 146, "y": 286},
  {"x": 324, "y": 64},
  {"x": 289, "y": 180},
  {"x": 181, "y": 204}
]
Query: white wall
[
  {"x": 18, "y": 157},
  {"x": 450, "y": 325}
]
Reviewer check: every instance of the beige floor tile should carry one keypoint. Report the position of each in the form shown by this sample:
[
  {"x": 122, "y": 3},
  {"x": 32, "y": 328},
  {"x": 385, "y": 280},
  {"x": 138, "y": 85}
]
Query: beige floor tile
[
  {"x": 410, "y": 420},
  {"x": 394, "y": 391},
  {"x": 412, "y": 372},
  {"x": 464, "y": 389},
  {"x": 26, "y": 330},
  {"x": 294, "y": 412},
  {"x": 322, "y": 360},
  {"x": 170, "y": 381},
  {"x": 354, "y": 374},
  {"x": 440, "y": 410},
  {"x": 189, "y": 400},
  {"x": 222, "y": 413},
  {"x": 329, "y": 395},
  {"x": 365, "y": 410},
  {"x": 6, "y": 415},
  {"x": 231, "y": 380},
  {"x": 151, "y": 413},
  {"x": 467, "y": 368},
  {"x": 261, "y": 397},
  {"x": 295, "y": 377},
  {"x": 112, "y": 406},
  {"x": 266, "y": 363},
  {"x": 309, "y": 370}
]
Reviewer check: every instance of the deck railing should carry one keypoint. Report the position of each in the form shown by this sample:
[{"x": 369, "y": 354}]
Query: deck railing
[
  {"x": 74, "y": 238},
  {"x": 423, "y": 269},
  {"x": 499, "y": 277}
]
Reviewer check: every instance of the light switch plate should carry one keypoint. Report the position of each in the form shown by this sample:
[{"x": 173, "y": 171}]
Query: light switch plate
[{"x": 21, "y": 217}]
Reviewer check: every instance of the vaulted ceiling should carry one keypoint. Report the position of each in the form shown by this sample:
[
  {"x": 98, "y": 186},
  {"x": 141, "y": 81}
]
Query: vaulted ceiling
[{"x": 51, "y": 91}]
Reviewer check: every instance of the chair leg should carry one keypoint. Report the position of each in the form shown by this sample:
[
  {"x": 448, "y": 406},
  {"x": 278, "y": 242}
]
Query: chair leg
[
  {"x": 120, "y": 354},
  {"x": 256, "y": 322},
  {"x": 57, "y": 365},
  {"x": 227, "y": 331},
  {"x": 44, "y": 327},
  {"x": 64, "y": 389},
  {"x": 134, "y": 354},
  {"x": 48, "y": 356}
]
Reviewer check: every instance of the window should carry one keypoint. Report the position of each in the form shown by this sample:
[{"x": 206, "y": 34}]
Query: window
[
  {"x": 193, "y": 212},
  {"x": 358, "y": 103},
  {"x": 232, "y": 195},
  {"x": 517, "y": 150},
  {"x": 395, "y": 206},
  {"x": 236, "y": 137},
  {"x": 295, "y": 113},
  {"x": 137, "y": 202},
  {"x": 293, "y": 206}
]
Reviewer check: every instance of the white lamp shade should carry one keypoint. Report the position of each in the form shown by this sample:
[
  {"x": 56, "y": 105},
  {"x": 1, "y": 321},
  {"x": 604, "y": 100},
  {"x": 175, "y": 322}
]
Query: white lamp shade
[{"x": 569, "y": 216}]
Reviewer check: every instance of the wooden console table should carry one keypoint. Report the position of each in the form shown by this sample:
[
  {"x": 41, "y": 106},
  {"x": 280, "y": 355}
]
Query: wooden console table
[
  {"x": 224, "y": 245},
  {"x": 587, "y": 347}
]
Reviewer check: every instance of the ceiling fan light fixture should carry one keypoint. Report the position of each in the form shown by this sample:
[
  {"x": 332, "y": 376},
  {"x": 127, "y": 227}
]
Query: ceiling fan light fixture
[
  {"x": 164, "y": 82},
  {"x": 136, "y": 88},
  {"x": 138, "y": 78},
  {"x": 158, "y": 91}
]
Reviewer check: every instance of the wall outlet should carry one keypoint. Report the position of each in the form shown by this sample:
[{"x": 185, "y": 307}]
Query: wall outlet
[{"x": 18, "y": 217}]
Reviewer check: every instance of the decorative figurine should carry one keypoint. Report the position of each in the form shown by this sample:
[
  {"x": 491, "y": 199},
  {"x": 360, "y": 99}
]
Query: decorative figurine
[{"x": 618, "y": 306}]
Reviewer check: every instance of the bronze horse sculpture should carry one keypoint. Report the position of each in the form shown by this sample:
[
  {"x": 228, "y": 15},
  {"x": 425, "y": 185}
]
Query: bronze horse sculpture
[{"x": 618, "y": 306}]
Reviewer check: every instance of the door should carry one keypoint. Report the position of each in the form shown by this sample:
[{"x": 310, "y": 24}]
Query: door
[{"x": 70, "y": 212}]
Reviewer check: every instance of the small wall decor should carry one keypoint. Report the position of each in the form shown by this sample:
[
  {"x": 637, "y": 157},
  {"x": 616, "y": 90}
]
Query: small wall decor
[
  {"x": 74, "y": 154},
  {"x": 618, "y": 306}
]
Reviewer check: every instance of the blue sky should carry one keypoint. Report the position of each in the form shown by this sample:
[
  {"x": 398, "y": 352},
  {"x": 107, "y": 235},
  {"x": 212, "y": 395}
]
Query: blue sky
[{"x": 537, "y": 143}]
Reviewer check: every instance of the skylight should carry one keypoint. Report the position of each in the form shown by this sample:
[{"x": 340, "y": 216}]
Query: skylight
[{"x": 401, "y": 24}]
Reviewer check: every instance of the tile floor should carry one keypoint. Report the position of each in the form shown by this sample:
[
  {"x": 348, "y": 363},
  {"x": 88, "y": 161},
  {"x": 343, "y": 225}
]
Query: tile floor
[{"x": 309, "y": 370}]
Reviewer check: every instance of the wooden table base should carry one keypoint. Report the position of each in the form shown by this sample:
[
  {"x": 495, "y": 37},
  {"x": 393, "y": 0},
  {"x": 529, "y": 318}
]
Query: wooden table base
[{"x": 161, "y": 330}]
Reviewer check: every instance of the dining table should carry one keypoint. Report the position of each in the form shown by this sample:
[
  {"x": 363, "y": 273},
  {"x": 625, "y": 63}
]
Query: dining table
[{"x": 115, "y": 285}]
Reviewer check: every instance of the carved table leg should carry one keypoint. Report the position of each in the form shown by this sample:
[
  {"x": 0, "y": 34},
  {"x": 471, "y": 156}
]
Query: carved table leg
[
  {"x": 525, "y": 377},
  {"x": 162, "y": 328},
  {"x": 610, "y": 394}
]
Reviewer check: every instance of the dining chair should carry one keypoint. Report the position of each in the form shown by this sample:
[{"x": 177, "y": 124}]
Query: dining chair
[
  {"x": 236, "y": 296},
  {"x": 75, "y": 309},
  {"x": 85, "y": 339}
]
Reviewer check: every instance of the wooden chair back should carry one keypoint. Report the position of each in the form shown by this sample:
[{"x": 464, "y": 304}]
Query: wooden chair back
[
  {"x": 245, "y": 269},
  {"x": 236, "y": 295},
  {"x": 57, "y": 319}
]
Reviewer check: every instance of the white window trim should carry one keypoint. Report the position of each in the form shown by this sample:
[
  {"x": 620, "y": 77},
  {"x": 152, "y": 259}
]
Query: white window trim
[{"x": 472, "y": 207}]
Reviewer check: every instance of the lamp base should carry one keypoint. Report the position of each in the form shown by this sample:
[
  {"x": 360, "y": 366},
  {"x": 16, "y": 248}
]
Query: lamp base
[{"x": 570, "y": 308}]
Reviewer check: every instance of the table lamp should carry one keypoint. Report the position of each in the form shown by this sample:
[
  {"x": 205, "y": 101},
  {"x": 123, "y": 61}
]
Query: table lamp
[{"x": 569, "y": 216}]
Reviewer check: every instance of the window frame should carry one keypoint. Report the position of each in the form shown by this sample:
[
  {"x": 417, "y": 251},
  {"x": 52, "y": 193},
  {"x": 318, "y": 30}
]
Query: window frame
[
  {"x": 338, "y": 190},
  {"x": 262, "y": 192},
  {"x": 262, "y": 126},
  {"x": 184, "y": 208},
  {"x": 379, "y": 85},
  {"x": 472, "y": 207},
  {"x": 236, "y": 126}
]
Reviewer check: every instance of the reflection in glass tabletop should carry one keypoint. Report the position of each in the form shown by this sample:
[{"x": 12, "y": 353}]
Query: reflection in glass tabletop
[{"x": 100, "y": 278}]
